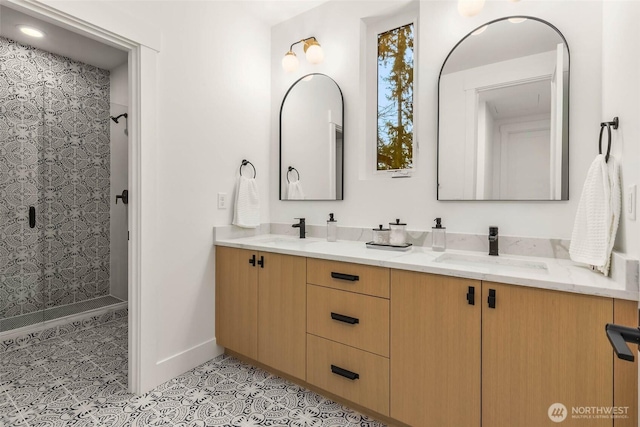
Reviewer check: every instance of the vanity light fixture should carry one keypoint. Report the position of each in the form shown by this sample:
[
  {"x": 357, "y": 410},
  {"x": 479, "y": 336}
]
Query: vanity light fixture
[
  {"x": 30, "y": 31},
  {"x": 312, "y": 51},
  {"x": 470, "y": 7}
]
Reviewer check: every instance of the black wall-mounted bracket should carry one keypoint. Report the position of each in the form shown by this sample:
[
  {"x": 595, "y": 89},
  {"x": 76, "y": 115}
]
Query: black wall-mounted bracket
[{"x": 619, "y": 336}]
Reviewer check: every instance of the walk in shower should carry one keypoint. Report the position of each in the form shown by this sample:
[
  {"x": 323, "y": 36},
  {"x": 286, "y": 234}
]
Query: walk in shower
[{"x": 55, "y": 195}]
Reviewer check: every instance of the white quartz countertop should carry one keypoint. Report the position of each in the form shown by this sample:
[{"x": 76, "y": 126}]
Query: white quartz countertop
[{"x": 559, "y": 274}]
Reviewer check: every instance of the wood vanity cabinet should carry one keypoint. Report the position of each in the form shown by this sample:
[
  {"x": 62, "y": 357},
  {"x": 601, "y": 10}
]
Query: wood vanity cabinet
[
  {"x": 423, "y": 349},
  {"x": 261, "y": 308},
  {"x": 237, "y": 301},
  {"x": 518, "y": 350},
  {"x": 348, "y": 331},
  {"x": 541, "y": 347},
  {"x": 435, "y": 350}
]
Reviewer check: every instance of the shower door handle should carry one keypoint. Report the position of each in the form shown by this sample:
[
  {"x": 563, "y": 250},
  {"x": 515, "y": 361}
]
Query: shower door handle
[
  {"x": 32, "y": 216},
  {"x": 124, "y": 196}
]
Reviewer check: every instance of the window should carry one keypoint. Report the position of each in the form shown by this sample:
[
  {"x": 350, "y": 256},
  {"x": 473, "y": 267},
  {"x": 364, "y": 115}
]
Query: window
[{"x": 395, "y": 64}]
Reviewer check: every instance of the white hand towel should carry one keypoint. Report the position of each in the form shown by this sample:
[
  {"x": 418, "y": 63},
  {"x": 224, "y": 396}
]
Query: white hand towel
[
  {"x": 247, "y": 203},
  {"x": 596, "y": 224},
  {"x": 294, "y": 191}
]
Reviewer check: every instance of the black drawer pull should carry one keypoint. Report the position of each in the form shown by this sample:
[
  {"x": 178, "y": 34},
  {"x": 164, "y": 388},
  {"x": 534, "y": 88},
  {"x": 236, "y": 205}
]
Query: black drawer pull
[
  {"x": 492, "y": 298},
  {"x": 252, "y": 260},
  {"x": 345, "y": 319},
  {"x": 471, "y": 295},
  {"x": 261, "y": 261},
  {"x": 342, "y": 276},
  {"x": 32, "y": 216},
  {"x": 344, "y": 373}
]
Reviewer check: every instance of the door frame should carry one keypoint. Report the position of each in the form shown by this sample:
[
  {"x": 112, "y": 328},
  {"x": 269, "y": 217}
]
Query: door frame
[{"x": 142, "y": 131}]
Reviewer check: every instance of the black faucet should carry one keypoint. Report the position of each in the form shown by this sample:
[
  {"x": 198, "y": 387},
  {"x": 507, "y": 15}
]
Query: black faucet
[
  {"x": 301, "y": 225},
  {"x": 493, "y": 241}
]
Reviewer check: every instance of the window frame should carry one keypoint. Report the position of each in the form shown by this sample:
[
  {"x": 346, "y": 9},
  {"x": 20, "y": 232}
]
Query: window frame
[{"x": 373, "y": 29}]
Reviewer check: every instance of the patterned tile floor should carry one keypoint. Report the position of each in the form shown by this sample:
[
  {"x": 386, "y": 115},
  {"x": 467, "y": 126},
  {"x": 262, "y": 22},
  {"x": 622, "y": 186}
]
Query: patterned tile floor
[{"x": 80, "y": 380}]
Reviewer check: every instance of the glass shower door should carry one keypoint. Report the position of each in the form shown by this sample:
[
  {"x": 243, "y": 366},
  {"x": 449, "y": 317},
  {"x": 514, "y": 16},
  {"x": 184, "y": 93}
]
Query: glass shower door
[{"x": 21, "y": 135}]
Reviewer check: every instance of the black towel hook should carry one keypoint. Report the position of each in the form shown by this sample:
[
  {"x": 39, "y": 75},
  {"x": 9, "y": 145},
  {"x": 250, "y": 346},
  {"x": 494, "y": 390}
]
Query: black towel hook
[
  {"x": 291, "y": 168},
  {"x": 612, "y": 124},
  {"x": 245, "y": 163}
]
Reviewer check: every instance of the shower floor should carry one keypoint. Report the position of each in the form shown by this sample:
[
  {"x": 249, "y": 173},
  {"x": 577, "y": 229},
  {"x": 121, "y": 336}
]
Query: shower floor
[{"x": 53, "y": 313}]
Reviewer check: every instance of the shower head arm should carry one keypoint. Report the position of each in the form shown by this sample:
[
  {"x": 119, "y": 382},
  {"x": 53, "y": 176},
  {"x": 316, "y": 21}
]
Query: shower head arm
[{"x": 115, "y": 119}]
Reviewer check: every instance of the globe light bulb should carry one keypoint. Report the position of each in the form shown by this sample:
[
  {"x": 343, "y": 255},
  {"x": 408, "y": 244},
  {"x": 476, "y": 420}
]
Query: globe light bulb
[
  {"x": 479, "y": 31},
  {"x": 314, "y": 53},
  {"x": 470, "y": 7},
  {"x": 290, "y": 62}
]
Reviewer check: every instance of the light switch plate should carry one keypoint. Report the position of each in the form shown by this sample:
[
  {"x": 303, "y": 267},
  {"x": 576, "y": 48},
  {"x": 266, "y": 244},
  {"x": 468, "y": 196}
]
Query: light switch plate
[
  {"x": 630, "y": 197},
  {"x": 222, "y": 200}
]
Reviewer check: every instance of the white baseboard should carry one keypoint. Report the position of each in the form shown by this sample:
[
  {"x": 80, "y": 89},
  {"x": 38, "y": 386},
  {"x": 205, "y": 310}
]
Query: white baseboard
[{"x": 179, "y": 363}]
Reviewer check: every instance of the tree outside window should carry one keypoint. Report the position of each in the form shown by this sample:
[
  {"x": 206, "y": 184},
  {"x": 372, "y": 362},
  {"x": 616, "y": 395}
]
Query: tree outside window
[{"x": 395, "y": 99}]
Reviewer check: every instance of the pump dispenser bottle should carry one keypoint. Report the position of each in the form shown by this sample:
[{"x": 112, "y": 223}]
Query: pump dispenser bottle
[
  {"x": 332, "y": 229},
  {"x": 439, "y": 235}
]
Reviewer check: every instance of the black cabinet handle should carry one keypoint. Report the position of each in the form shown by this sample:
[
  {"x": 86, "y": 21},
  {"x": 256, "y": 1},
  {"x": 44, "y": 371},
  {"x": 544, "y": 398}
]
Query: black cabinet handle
[
  {"x": 471, "y": 295},
  {"x": 32, "y": 216},
  {"x": 345, "y": 319},
  {"x": 344, "y": 373},
  {"x": 492, "y": 298},
  {"x": 618, "y": 337},
  {"x": 342, "y": 276},
  {"x": 252, "y": 260},
  {"x": 261, "y": 261}
]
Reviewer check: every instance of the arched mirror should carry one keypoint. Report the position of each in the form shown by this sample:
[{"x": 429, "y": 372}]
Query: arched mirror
[
  {"x": 503, "y": 114},
  {"x": 311, "y": 140}
]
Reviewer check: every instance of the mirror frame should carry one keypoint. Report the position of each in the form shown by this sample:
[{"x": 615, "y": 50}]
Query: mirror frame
[
  {"x": 553, "y": 27},
  {"x": 280, "y": 142}
]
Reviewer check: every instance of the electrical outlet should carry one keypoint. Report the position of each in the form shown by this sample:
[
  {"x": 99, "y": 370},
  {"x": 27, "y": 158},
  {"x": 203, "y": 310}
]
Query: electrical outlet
[
  {"x": 631, "y": 202},
  {"x": 222, "y": 200}
]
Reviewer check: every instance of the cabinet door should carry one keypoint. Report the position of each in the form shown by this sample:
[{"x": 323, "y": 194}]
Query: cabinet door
[
  {"x": 541, "y": 347},
  {"x": 282, "y": 314},
  {"x": 237, "y": 301},
  {"x": 435, "y": 350}
]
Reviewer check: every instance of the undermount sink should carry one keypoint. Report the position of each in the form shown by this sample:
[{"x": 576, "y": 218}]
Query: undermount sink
[{"x": 493, "y": 261}]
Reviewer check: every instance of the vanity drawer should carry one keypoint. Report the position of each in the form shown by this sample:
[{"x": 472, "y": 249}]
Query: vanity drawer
[
  {"x": 362, "y": 279},
  {"x": 331, "y": 366},
  {"x": 357, "y": 320}
]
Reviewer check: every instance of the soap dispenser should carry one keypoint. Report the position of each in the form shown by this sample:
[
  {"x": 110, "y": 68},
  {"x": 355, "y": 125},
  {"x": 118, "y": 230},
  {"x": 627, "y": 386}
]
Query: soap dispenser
[
  {"x": 439, "y": 235},
  {"x": 332, "y": 229}
]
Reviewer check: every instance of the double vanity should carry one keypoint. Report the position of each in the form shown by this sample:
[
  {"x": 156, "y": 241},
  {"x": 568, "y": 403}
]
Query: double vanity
[{"x": 424, "y": 338}]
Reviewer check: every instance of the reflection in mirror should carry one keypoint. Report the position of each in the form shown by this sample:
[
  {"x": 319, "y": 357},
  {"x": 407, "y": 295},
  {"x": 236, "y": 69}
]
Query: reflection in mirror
[
  {"x": 503, "y": 131},
  {"x": 311, "y": 140}
]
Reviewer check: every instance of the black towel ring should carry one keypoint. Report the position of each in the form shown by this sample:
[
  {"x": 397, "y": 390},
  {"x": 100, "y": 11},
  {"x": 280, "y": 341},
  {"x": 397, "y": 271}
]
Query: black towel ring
[
  {"x": 615, "y": 123},
  {"x": 291, "y": 168},
  {"x": 245, "y": 163}
]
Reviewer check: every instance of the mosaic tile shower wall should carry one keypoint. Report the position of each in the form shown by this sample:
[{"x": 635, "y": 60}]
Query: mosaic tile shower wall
[{"x": 54, "y": 156}]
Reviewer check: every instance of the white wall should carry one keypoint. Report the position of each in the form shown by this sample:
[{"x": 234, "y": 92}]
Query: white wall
[
  {"x": 119, "y": 173},
  {"x": 621, "y": 97},
  {"x": 119, "y": 93},
  {"x": 213, "y": 103},
  {"x": 337, "y": 26}
]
